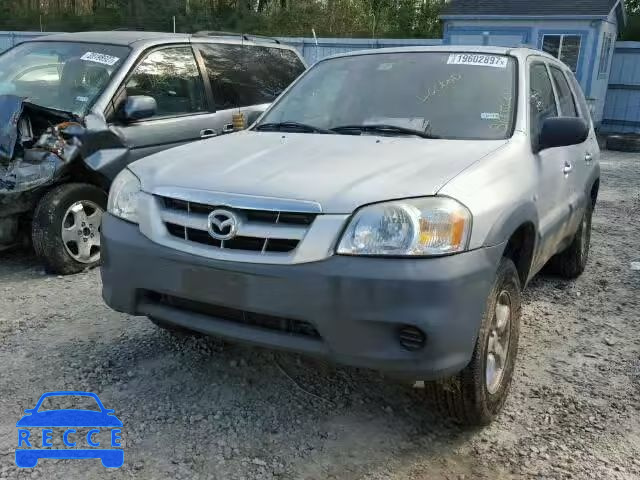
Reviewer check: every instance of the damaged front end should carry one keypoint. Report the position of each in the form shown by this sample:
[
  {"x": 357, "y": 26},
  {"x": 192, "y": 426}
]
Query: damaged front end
[{"x": 36, "y": 145}]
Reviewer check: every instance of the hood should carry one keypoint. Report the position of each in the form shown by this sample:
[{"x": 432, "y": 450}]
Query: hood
[
  {"x": 69, "y": 418},
  {"x": 10, "y": 113},
  {"x": 340, "y": 172}
]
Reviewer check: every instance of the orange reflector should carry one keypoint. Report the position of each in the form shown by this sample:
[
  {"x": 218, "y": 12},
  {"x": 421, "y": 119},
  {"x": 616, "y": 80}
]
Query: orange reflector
[{"x": 238, "y": 121}]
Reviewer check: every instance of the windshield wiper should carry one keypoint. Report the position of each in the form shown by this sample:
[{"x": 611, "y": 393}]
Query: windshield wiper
[
  {"x": 292, "y": 126},
  {"x": 383, "y": 128}
]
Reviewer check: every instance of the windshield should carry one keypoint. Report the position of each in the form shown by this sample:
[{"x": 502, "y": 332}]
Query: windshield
[
  {"x": 446, "y": 95},
  {"x": 69, "y": 402},
  {"x": 60, "y": 75}
]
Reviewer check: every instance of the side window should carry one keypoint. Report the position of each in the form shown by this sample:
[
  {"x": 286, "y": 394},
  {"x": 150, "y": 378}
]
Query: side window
[
  {"x": 241, "y": 76},
  {"x": 226, "y": 72},
  {"x": 541, "y": 98},
  {"x": 171, "y": 76},
  {"x": 585, "y": 112},
  {"x": 565, "y": 97},
  {"x": 271, "y": 71}
]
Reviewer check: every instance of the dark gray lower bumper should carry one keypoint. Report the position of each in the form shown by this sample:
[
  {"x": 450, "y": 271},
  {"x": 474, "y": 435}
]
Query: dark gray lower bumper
[{"x": 356, "y": 304}]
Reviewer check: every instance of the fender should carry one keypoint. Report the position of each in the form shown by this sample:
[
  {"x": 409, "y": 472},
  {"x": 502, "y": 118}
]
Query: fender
[
  {"x": 510, "y": 221},
  {"x": 507, "y": 225},
  {"x": 108, "y": 162}
]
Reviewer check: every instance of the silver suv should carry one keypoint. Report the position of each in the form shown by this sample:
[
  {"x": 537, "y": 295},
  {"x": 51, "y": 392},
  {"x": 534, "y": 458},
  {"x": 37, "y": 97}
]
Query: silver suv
[{"x": 386, "y": 212}]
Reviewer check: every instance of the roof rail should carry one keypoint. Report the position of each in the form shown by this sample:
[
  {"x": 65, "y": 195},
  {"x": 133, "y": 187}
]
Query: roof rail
[
  {"x": 249, "y": 37},
  {"x": 129, "y": 29}
]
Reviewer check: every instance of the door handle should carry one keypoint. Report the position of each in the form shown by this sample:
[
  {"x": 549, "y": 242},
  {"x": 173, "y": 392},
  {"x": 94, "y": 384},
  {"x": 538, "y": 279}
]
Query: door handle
[
  {"x": 228, "y": 128},
  {"x": 207, "y": 133},
  {"x": 567, "y": 168},
  {"x": 588, "y": 157}
]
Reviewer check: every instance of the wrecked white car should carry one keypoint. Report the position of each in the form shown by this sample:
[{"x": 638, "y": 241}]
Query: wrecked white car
[{"x": 75, "y": 109}]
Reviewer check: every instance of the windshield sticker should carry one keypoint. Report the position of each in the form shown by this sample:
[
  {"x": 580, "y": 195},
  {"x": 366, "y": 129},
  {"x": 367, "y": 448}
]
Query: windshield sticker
[
  {"x": 385, "y": 67},
  {"x": 495, "y": 61},
  {"x": 415, "y": 123},
  {"x": 490, "y": 116},
  {"x": 100, "y": 58},
  {"x": 82, "y": 99},
  {"x": 440, "y": 86}
]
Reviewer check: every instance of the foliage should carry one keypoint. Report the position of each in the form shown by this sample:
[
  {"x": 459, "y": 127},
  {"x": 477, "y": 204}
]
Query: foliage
[
  {"x": 353, "y": 18},
  {"x": 632, "y": 30}
]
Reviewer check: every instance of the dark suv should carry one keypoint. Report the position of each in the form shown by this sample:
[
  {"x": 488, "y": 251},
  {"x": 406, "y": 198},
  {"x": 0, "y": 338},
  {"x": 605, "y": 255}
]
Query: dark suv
[{"x": 77, "y": 108}]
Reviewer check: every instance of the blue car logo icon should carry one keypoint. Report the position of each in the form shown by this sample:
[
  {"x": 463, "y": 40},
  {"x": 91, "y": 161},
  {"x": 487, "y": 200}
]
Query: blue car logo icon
[{"x": 36, "y": 430}]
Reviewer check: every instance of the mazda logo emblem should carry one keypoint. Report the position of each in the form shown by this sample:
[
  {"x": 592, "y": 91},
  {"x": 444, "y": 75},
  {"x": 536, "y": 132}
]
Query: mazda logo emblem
[{"x": 222, "y": 225}]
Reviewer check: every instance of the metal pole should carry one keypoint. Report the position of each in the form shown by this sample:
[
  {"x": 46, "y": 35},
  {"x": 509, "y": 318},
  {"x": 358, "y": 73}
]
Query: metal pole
[
  {"x": 313, "y": 30},
  {"x": 174, "y": 24}
]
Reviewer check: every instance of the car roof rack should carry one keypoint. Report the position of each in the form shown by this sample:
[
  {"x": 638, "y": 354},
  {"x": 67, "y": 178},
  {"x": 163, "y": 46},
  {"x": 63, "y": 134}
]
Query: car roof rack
[{"x": 249, "y": 37}]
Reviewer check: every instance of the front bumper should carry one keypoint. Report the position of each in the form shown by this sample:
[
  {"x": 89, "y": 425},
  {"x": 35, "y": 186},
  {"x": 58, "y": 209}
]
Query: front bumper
[{"x": 355, "y": 304}]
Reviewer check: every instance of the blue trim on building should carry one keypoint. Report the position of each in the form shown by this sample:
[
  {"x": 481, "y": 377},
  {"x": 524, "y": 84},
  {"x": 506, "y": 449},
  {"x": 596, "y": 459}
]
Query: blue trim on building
[
  {"x": 594, "y": 55},
  {"x": 584, "y": 36},
  {"x": 523, "y": 17},
  {"x": 524, "y": 32}
]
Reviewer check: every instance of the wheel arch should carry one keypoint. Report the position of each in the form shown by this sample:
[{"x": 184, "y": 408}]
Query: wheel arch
[{"x": 518, "y": 231}]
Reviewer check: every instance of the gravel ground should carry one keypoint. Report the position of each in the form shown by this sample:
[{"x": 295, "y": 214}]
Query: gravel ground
[{"x": 200, "y": 408}]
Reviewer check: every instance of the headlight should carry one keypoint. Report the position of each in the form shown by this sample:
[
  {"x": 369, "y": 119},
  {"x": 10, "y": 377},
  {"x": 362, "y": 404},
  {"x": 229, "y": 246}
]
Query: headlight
[
  {"x": 123, "y": 197},
  {"x": 25, "y": 175},
  {"x": 414, "y": 227}
]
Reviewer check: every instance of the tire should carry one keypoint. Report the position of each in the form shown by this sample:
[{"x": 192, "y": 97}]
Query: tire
[
  {"x": 571, "y": 262},
  {"x": 624, "y": 143},
  {"x": 66, "y": 227},
  {"x": 174, "y": 330},
  {"x": 476, "y": 395}
]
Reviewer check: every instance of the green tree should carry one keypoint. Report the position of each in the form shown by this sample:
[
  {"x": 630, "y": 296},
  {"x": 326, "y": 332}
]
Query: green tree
[{"x": 349, "y": 18}]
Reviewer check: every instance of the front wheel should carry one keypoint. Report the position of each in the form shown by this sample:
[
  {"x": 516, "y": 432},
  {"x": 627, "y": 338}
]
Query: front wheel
[
  {"x": 66, "y": 227},
  {"x": 476, "y": 395}
]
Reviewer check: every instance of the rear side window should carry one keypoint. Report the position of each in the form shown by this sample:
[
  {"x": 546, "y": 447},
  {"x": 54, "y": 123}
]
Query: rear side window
[
  {"x": 541, "y": 98},
  {"x": 565, "y": 97},
  {"x": 241, "y": 76},
  {"x": 170, "y": 76},
  {"x": 585, "y": 112}
]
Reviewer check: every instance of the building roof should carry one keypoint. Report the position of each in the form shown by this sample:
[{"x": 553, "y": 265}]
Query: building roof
[{"x": 529, "y": 8}]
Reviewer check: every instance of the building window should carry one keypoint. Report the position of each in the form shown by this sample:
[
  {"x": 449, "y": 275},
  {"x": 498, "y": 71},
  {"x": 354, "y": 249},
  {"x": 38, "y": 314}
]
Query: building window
[
  {"x": 605, "y": 54},
  {"x": 564, "y": 47}
]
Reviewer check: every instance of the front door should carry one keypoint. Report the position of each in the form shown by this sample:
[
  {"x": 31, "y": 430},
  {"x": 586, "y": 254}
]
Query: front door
[
  {"x": 171, "y": 76},
  {"x": 554, "y": 167}
]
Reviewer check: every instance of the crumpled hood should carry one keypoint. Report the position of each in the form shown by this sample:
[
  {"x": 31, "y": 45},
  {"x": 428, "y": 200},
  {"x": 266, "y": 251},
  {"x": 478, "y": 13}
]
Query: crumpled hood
[
  {"x": 11, "y": 108},
  {"x": 340, "y": 172}
]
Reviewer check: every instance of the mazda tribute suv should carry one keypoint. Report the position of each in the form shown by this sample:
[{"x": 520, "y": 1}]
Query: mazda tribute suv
[{"x": 386, "y": 212}]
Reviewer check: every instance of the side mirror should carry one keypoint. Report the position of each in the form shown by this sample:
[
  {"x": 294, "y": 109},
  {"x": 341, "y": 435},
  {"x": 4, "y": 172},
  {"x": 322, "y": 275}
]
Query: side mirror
[
  {"x": 138, "y": 108},
  {"x": 562, "y": 132},
  {"x": 29, "y": 410}
]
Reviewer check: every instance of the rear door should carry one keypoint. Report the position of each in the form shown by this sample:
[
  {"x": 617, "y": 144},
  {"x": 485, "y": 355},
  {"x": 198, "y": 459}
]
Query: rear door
[
  {"x": 247, "y": 78},
  {"x": 589, "y": 164},
  {"x": 576, "y": 153},
  {"x": 170, "y": 75}
]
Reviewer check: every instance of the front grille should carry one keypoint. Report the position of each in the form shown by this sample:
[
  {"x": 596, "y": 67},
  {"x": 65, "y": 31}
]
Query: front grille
[
  {"x": 264, "y": 216},
  {"x": 262, "y": 231},
  {"x": 258, "y": 320}
]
